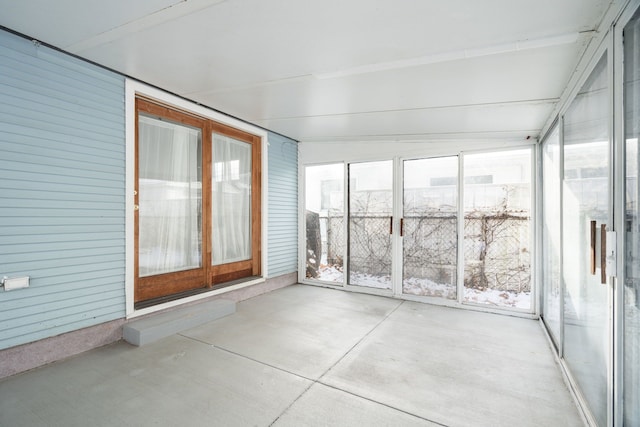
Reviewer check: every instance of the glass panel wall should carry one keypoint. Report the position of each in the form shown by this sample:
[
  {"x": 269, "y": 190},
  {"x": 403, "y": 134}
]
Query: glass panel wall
[
  {"x": 551, "y": 286},
  {"x": 430, "y": 227},
  {"x": 324, "y": 219},
  {"x": 585, "y": 195},
  {"x": 370, "y": 224},
  {"x": 497, "y": 228},
  {"x": 632, "y": 219}
]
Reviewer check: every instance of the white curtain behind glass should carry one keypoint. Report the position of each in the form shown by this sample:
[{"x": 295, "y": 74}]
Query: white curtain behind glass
[
  {"x": 170, "y": 194},
  {"x": 231, "y": 200}
]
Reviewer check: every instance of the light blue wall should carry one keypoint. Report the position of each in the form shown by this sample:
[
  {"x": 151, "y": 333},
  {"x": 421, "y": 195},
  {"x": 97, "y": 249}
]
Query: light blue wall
[
  {"x": 283, "y": 206},
  {"x": 62, "y": 160},
  {"x": 62, "y": 193}
]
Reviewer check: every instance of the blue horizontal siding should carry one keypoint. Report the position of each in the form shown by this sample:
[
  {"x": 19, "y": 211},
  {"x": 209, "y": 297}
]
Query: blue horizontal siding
[
  {"x": 283, "y": 206},
  {"x": 64, "y": 144},
  {"x": 62, "y": 194}
]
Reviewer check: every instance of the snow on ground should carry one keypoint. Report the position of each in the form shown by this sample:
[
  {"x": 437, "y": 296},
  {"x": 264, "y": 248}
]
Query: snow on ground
[
  {"x": 498, "y": 298},
  {"x": 362, "y": 279},
  {"x": 330, "y": 273},
  {"x": 426, "y": 287}
]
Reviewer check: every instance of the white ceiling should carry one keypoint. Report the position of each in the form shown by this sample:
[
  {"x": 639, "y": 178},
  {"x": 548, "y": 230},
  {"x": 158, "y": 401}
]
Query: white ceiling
[{"x": 337, "y": 69}]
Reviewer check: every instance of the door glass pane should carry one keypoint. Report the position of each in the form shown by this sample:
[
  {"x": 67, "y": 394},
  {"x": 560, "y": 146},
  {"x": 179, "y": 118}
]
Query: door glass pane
[
  {"x": 370, "y": 211},
  {"x": 170, "y": 197},
  {"x": 324, "y": 221},
  {"x": 585, "y": 197},
  {"x": 430, "y": 230},
  {"x": 231, "y": 200},
  {"x": 632, "y": 232},
  {"x": 497, "y": 229},
  {"x": 551, "y": 234}
]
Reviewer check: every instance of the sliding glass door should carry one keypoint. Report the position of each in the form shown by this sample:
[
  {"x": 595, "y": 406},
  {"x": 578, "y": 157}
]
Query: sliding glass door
[
  {"x": 370, "y": 224},
  {"x": 407, "y": 234},
  {"x": 198, "y": 199},
  {"x": 235, "y": 205},
  {"x": 577, "y": 200},
  {"x": 586, "y": 213},
  {"x": 631, "y": 320},
  {"x": 324, "y": 223},
  {"x": 429, "y": 227},
  {"x": 497, "y": 228},
  {"x": 170, "y": 257},
  {"x": 551, "y": 235}
]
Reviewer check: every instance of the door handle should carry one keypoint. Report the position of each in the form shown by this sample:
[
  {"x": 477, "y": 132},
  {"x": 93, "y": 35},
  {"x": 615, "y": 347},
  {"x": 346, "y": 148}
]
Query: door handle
[
  {"x": 603, "y": 254},
  {"x": 592, "y": 248},
  {"x": 603, "y": 250},
  {"x": 401, "y": 226}
]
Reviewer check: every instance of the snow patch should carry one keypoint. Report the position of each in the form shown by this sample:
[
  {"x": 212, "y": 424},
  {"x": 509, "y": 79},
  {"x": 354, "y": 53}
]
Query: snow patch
[
  {"x": 363, "y": 279},
  {"x": 429, "y": 288},
  {"x": 498, "y": 298},
  {"x": 330, "y": 273}
]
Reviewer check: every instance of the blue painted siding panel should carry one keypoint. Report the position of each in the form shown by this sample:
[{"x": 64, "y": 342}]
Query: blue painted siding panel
[
  {"x": 62, "y": 153},
  {"x": 283, "y": 206}
]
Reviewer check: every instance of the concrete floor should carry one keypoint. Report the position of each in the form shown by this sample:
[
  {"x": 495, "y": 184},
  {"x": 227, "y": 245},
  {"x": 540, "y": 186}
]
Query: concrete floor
[{"x": 309, "y": 356}]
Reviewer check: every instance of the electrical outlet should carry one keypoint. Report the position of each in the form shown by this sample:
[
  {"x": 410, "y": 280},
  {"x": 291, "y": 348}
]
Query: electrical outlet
[{"x": 15, "y": 283}]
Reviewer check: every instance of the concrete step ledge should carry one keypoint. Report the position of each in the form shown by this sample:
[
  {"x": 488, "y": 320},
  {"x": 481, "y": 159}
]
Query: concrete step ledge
[{"x": 158, "y": 326}]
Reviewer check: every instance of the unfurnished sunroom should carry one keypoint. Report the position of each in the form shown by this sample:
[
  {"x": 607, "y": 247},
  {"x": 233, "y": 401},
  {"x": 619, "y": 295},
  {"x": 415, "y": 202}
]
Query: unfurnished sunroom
[{"x": 471, "y": 155}]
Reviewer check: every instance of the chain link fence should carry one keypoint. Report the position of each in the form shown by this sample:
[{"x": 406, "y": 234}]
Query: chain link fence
[
  {"x": 430, "y": 247},
  {"x": 496, "y": 252},
  {"x": 370, "y": 245},
  {"x": 496, "y": 247}
]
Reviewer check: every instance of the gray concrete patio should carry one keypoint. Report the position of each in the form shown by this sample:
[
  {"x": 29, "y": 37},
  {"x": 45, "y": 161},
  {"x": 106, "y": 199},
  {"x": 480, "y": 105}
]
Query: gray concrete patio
[{"x": 309, "y": 356}]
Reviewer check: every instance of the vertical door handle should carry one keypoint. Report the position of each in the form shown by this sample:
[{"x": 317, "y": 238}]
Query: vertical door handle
[
  {"x": 603, "y": 254},
  {"x": 401, "y": 227},
  {"x": 390, "y": 225},
  {"x": 592, "y": 248}
]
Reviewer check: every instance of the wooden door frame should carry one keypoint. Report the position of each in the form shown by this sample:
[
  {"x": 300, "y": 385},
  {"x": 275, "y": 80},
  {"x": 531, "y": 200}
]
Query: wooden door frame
[
  {"x": 207, "y": 276},
  {"x": 161, "y": 285},
  {"x": 252, "y": 267}
]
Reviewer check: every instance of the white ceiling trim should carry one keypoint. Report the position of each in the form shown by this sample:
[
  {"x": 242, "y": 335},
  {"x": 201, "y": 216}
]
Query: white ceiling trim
[
  {"x": 522, "y": 137},
  {"x": 528, "y": 102},
  {"x": 180, "y": 9},
  {"x": 519, "y": 120},
  {"x": 581, "y": 38},
  {"x": 496, "y": 49}
]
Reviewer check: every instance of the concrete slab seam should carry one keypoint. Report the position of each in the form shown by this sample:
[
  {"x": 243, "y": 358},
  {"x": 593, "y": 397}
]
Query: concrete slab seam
[
  {"x": 246, "y": 357},
  {"x": 381, "y": 404},
  {"x": 361, "y": 339}
]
